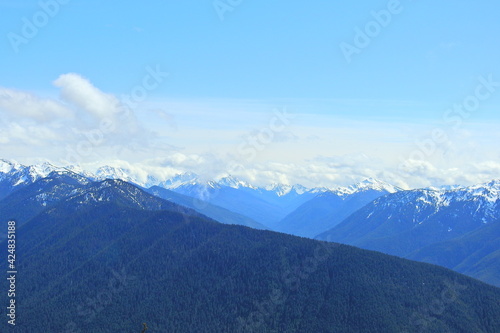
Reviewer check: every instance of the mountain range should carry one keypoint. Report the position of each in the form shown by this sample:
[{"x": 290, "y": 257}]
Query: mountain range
[
  {"x": 106, "y": 256},
  {"x": 329, "y": 208},
  {"x": 260, "y": 207},
  {"x": 452, "y": 226},
  {"x": 420, "y": 224}
]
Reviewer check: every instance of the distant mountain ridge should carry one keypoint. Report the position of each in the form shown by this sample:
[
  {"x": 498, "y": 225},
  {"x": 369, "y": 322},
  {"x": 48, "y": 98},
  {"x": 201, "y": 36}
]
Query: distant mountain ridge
[
  {"x": 60, "y": 186},
  {"x": 13, "y": 175},
  {"x": 456, "y": 211},
  {"x": 106, "y": 260},
  {"x": 216, "y": 212},
  {"x": 37, "y": 171},
  {"x": 28, "y": 201},
  {"x": 476, "y": 253},
  {"x": 420, "y": 224},
  {"x": 329, "y": 208},
  {"x": 266, "y": 206}
]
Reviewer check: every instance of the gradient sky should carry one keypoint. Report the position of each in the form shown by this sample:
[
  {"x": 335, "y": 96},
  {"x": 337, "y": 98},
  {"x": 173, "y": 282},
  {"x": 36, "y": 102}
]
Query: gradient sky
[{"x": 410, "y": 105}]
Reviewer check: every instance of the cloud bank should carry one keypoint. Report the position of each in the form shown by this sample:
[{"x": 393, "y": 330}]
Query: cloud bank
[{"x": 252, "y": 140}]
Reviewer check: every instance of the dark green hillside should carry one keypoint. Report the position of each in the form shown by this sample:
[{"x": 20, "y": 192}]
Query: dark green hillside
[
  {"x": 28, "y": 201},
  {"x": 25, "y": 202},
  {"x": 461, "y": 234},
  {"x": 476, "y": 254},
  {"x": 103, "y": 267}
]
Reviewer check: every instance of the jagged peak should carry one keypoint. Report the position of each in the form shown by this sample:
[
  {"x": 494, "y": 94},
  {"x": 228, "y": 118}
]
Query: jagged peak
[
  {"x": 43, "y": 169},
  {"x": 279, "y": 189},
  {"x": 181, "y": 179},
  {"x": 7, "y": 166},
  {"x": 373, "y": 184},
  {"x": 300, "y": 189},
  {"x": 493, "y": 184},
  {"x": 26, "y": 174},
  {"x": 108, "y": 170},
  {"x": 233, "y": 182}
]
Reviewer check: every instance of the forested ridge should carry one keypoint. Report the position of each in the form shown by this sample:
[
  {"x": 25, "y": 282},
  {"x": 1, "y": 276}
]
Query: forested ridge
[{"x": 106, "y": 267}]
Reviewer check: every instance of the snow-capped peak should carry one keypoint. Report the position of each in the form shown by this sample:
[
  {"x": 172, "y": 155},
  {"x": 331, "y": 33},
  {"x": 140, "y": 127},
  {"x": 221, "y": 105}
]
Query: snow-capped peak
[
  {"x": 318, "y": 190},
  {"x": 493, "y": 185},
  {"x": 444, "y": 188},
  {"x": 43, "y": 170},
  {"x": 489, "y": 191},
  {"x": 364, "y": 185},
  {"x": 21, "y": 174},
  {"x": 299, "y": 189},
  {"x": 79, "y": 171},
  {"x": 186, "y": 178},
  {"x": 109, "y": 172},
  {"x": 279, "y": 189},
  {"x": 373, "y": 184},
  {"x": 7, "y": 166},
  {"x": 233, "y": 182}
]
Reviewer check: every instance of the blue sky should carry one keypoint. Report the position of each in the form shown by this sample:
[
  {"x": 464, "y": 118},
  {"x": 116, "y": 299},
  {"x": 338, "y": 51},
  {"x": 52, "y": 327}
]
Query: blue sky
[{"x": 357, "y": 116}]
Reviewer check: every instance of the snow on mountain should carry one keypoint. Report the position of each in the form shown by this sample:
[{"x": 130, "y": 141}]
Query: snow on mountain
[
  {"x": 110, "y": 172},
  {"x": 317, "y": 190},
  {"x": 444, "y": 187},
  {"x": 485, "y": 196},
  {"x": 329, "y": 207},
  {"x": 479, "y": 202},
  {"x": 233, "y": 182},
  {"x": 488, "y": 191},
  {"x": 179, "y": 180},
  {"x": 16, "y": 174},
  {"x": 43, "y": 170},
  {"x": 369, "y": 184},
  {"x": 188, "y": 179},
  {"x": 282, "y": 190},
  {"x": 299, "y": 189},
  {"x": 279, "y": 189},
  {"x": 372, "y": 184},
  {"x": 79, "y": 171},
  {"x": 8, "y": 166},
  {"x": 454, "y": 226}
]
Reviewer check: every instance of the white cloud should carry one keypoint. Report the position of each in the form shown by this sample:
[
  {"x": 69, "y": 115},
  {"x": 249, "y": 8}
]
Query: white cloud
[
  {"x": 80, "y": 92},
  {"x": 23, "y": 104},
  {"x": 314, "y": 150},
  {"x": 85, "y": 124},
  {"x": 30, "y": 135}
]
